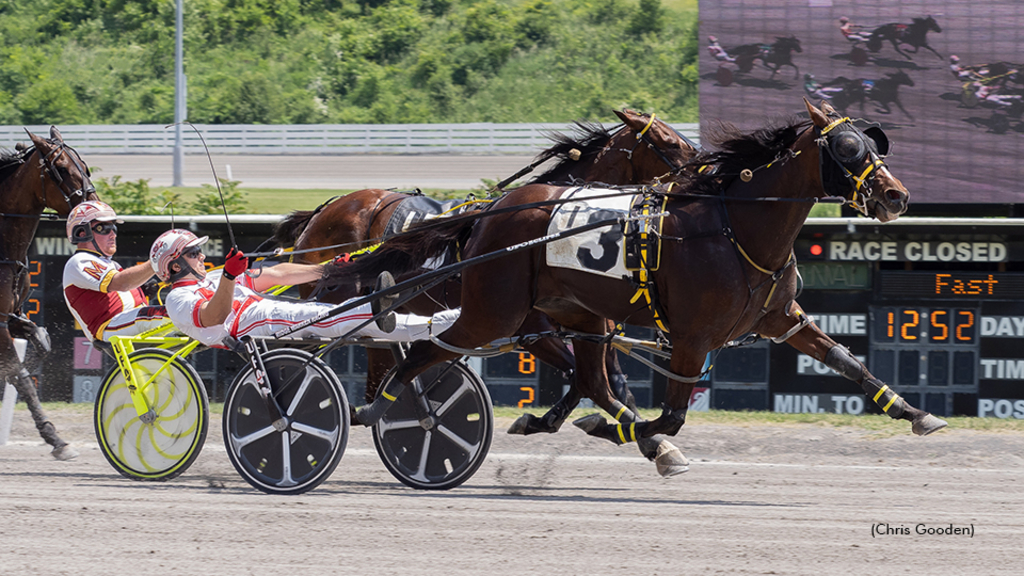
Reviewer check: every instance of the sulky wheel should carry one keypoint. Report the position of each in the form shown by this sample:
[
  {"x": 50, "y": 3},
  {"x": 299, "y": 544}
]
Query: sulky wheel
[
  {"x": 450, "y": 452},
  {"x": 164, "y": 443},
  {"x": 305, "y": 453}
]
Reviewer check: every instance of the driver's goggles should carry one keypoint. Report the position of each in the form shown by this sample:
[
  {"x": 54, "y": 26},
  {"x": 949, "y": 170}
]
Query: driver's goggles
[
  {"x": 192, "y": 252},
  {"x": 104, "y": 228}
]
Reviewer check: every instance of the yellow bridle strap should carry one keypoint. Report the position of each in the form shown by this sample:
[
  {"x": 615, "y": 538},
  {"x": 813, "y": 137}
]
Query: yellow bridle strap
[
  {"x": 829, "y": 128},
  {"x": 860, "y": 181},
  {"x": 461, "y": 205},
  {"x": 646, "y": 128}
]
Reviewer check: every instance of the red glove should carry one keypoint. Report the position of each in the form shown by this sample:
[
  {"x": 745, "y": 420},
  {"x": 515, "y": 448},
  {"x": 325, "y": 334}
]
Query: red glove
[{"x": 235, "y": 263}]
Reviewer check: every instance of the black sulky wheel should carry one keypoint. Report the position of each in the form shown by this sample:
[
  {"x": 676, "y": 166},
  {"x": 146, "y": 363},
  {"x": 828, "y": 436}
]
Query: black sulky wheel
[
  {"x": 305, "y": 453},
  {"x": 450, "y": 452}
]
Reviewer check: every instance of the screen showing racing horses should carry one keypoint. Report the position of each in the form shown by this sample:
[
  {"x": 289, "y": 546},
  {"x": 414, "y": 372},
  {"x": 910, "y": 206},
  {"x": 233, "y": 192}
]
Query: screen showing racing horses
[{"x": 945, "y": 79}]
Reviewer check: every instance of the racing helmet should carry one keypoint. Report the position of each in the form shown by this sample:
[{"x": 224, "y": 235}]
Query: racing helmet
[
  {"x": 843, "y": 19},
  {"x": 79, "y": 226},
  {"x": 168, "y": 249}
]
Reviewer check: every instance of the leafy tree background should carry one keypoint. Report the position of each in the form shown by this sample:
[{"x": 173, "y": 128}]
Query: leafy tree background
[{"x": 347, "y": 61}]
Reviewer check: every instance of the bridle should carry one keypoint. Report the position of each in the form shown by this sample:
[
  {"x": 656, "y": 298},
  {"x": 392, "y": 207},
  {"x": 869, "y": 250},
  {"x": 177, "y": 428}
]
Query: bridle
[
  {"x": 645, "y": 138},
  {"x": 848, "y": 147},
  {"x": 48, "y": 166}
]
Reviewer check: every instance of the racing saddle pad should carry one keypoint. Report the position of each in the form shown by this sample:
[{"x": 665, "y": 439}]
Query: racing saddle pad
[
  {"x": 417, "y": 208},
  {"x": 598, "y": 251}
]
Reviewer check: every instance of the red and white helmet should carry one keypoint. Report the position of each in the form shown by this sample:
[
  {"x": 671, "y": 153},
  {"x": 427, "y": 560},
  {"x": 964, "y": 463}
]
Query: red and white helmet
[
  {"x": 82, "y": 216},
  {"x": 168, "y": 248}
]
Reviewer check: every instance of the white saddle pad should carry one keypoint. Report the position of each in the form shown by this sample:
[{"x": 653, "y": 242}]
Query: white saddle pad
[{"x": 598, "y": 251}]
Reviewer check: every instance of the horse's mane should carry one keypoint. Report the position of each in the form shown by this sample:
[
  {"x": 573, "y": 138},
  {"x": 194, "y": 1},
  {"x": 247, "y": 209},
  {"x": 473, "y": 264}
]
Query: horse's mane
[
  {"x": 10, "y": 160},
  {"x": 731, "y": 150},
  {"x": 287, "y": 231},
  {"x": 588, "y": 138}
]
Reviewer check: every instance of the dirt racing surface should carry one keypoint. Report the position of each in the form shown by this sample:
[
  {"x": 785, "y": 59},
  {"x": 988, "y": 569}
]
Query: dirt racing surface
[{"x": 795, "y": 499}]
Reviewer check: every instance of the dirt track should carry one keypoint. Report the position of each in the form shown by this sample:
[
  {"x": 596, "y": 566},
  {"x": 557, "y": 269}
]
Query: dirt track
[{"x": 758, "y": 500}]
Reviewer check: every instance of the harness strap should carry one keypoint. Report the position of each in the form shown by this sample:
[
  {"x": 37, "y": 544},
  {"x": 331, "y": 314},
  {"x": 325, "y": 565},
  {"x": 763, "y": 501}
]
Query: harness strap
[
  {"x": 646, "y": 128},
  {"x": 645, "y": 288},
  {"x": 805, "y": 319},
  {"x": 835, "y": 123}
]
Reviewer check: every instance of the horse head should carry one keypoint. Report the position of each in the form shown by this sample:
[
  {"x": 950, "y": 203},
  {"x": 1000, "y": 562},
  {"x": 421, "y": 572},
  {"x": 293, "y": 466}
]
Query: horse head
[
  {"x": 666, "y": 149},
  {"x": 63, "y": 174},
  {"x": 787, "y": 44},
  {"x": 852, "y": 166},
  {"x": 928, "y": 23},
  {"x": 900, "y": 77}
]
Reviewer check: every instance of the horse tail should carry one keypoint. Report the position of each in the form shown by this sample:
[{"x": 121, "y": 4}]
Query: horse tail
[
  {"x": 287, "y": 231},
  {"x": 403, "y": 254}
]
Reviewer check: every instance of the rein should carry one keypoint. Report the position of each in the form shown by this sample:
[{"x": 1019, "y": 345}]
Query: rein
[{"x": 487, "y": 212}]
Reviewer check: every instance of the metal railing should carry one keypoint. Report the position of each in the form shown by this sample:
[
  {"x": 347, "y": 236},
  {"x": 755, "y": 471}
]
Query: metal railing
[{"x": 332, "y": 139}]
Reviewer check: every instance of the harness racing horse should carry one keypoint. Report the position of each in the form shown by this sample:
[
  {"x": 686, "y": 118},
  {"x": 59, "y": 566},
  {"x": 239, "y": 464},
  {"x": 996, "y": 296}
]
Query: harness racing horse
[
  {"x": 643, "y": 150},
  {"x": 726, "y": 266},
  {"x": 773, "y": 56},
  {"x": 914, "y": 34},
  {"x": 884, "y": 91},
  {"x": 47, "y": 174}
]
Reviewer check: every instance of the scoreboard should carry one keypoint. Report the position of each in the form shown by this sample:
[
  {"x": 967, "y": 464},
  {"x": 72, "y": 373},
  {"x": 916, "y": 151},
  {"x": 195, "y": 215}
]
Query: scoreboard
[{"x": 934, "y": 307}]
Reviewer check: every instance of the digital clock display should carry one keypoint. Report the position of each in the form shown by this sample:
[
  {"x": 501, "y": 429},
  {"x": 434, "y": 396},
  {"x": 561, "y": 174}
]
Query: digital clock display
[
  {"x": 952, "y": 285},
  {"x": 924, "y": 352},
  {"x": 910, "y": 325}
]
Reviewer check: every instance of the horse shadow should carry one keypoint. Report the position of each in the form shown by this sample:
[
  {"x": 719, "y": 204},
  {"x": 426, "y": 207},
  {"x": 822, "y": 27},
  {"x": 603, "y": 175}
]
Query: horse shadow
[
  {"x": 890, "y": 63},
  {"x": 750, "y": 82},
  {"x": 999, "y": 124}
]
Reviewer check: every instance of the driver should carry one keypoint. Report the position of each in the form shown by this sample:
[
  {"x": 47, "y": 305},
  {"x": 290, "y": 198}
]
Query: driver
[
  {"x": 211, "y": 307},
  {"x": 105, "y": 299},
  {"x": 852, "y": 32},
  {"x": 717, "y": 52},
  {"x": 816, "y": 90}
]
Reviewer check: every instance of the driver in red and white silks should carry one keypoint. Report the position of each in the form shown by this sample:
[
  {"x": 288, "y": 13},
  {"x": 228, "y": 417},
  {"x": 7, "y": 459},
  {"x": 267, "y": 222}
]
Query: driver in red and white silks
[
  {"x": 105, "y": 299},
  {"x": 211, "y": 306}
]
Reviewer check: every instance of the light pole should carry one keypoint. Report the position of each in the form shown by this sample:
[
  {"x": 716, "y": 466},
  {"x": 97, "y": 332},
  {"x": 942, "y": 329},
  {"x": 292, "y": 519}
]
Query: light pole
[{"x": 180, "y": 110}]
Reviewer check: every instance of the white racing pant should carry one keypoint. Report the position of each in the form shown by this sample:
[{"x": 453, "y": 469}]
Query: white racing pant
[
  {"x": 267, "y": 317},
  {"x": 134, "y": 322}
]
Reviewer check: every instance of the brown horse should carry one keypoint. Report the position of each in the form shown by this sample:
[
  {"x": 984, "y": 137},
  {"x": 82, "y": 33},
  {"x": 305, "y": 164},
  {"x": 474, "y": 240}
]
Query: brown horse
[
  {"x": 47, "y": 174},
  {"x": 643, "y": 150},
  {"x": 726, "y": 266}
]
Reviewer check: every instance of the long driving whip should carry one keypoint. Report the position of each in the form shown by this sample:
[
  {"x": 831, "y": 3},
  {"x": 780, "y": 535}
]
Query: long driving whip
[{"x": 223, "y": 205}]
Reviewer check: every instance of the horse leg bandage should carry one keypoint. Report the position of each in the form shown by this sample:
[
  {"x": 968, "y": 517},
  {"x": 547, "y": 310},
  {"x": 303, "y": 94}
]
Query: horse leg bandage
[
  {"x": 370, "y": 415},
  {"x": 840, "y": 360}
]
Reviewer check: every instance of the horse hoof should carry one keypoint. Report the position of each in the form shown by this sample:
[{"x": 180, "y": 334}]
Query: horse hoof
[
  {"x": 521, "y": 425},
  {"x": 590, "y": 423},
  {"x": 670, "y": 460},
  {"x": 64, "y": 453},
  {"x": 927, "y": 424}
]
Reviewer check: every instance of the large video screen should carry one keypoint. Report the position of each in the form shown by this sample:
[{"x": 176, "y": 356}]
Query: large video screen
[{"x": 945, "y": 79}]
